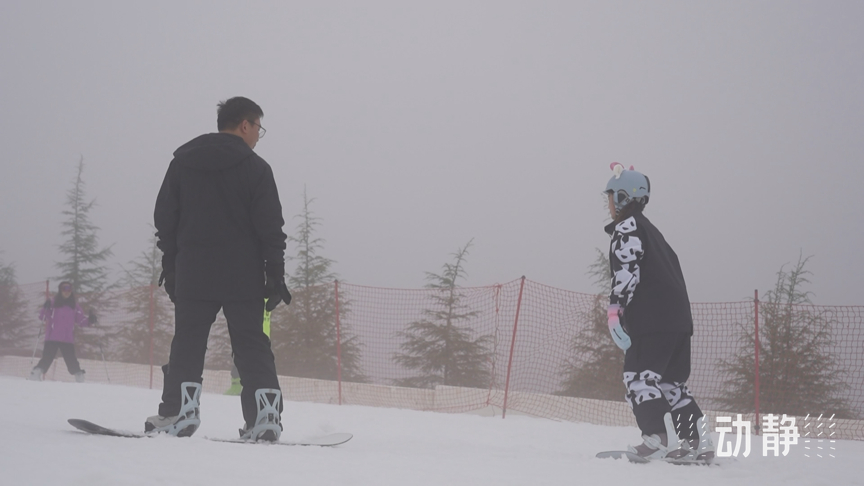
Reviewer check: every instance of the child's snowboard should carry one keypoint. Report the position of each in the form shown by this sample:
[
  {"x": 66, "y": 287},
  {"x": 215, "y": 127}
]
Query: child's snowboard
[{"x": 637, "y": 459}]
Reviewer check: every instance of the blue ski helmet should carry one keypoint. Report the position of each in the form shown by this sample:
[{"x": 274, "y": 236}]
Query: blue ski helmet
[{"x": 627, "y": 186}]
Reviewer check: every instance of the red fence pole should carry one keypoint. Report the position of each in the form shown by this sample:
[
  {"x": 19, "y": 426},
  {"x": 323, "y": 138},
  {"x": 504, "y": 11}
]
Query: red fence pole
[
  {"x": 512, "y": 347},
  {"x": 338, "y": 344},
  {"x": 492, "y": 360},
  {"x": 152, "y": 321},
  {"x": 756, "y": 367}
]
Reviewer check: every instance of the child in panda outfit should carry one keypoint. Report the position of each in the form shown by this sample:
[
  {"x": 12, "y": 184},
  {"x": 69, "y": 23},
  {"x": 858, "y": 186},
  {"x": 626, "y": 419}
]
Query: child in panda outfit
[{"x": 649, "y": 318}]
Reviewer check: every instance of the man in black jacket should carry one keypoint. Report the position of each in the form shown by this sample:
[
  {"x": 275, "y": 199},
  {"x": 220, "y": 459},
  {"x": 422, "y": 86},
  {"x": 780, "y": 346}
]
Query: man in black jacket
[{"x": 219, "y": 225}]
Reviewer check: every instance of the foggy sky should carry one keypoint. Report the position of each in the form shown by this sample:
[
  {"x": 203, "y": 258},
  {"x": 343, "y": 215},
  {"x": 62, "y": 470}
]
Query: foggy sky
[{"x": 420, "y": 125}]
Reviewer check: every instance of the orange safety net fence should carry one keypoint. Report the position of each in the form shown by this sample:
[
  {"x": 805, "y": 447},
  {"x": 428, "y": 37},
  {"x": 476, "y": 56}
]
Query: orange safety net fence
[{"x": 516, "y": 347}]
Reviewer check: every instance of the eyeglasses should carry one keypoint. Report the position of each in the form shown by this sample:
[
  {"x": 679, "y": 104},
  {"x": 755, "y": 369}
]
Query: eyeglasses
[
  {"x": 261, "y": 130},
  {"x": 65, "y": 288}
]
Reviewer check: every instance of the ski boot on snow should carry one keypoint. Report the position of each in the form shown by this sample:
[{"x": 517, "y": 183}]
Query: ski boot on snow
[
  {"x": 268, "y": 425},
  {"x": 36, "y": 374},
  {"x": 79, "y": 377},
  {"x": 664, "y": 445},
  {"x": 235, "y": 389},
  {"x": 186, "y": 422}
]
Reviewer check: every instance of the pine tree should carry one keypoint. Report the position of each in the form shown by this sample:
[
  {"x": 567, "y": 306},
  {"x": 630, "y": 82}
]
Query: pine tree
[
  {"x": 797, "y": 373},
  {"x": 304, "y": 333},
  {"x": 594, "y": 369},
  {"x": 15, "y": 327},
  {"x": 442, "y": 350},
  {"x": 144, "y": 304},
  {"x": 84, "y": 264}
]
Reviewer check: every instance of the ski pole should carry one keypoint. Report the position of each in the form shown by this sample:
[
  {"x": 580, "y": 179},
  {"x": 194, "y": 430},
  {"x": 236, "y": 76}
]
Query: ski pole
[
  {"x": 36, "y": 344},
  {"x": 104, "y": 364},
  {"x": 92, "y": 320}
]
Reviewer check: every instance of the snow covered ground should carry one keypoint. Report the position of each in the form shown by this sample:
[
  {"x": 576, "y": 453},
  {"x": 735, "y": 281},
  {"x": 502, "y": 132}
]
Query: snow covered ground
[{"x": 390, "y": 447}]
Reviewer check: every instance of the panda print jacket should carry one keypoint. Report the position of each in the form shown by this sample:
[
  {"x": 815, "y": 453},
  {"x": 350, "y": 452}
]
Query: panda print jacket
[{"x": 647, "y": 281}]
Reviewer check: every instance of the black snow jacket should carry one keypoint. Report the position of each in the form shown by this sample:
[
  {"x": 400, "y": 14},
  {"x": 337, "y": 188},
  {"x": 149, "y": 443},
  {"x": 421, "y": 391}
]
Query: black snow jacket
[
  {"x": 647, "y": 281},
  {"x": 219, "y": 220}
]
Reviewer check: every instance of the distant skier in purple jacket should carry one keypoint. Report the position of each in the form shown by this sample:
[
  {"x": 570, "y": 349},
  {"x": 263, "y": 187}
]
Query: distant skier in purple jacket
[{"x": 60, "y": 315}]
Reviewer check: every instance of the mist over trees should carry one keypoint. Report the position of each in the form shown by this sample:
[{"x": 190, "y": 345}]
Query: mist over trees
[
  {"x": 441, "y": 346},
  {"x": 595, "y": 367},
  {"x": 303, "y": 334},
  {"x": 798, "y": 375},
  {"x": 144, "y": 305},
  {"x": 800, "y": 371},
  {"x": 15, "y": 327},
  {"x": 84, "y": 262}
]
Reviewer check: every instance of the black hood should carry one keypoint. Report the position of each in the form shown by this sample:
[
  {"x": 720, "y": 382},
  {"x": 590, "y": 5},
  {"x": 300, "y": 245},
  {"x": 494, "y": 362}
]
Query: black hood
[{"x": 213, "y": 152}]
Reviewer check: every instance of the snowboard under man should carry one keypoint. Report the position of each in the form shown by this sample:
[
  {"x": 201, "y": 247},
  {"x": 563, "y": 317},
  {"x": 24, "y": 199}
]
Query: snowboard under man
[
  {"x": 649, "y": 318},
  {"x": 219, "y": 225}
]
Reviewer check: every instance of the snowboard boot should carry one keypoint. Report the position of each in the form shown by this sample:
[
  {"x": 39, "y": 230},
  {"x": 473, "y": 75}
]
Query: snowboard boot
[
  {"x": 663, "y": 445},
  {"x": 702, "y": 447},
  {"x": 36, "y": 374},
  {"x": 186, "y": 422},
  {"x": 79, "y": 377},
  {"x": 268, "y": 425},
  {"x": 235, "y": 389}
]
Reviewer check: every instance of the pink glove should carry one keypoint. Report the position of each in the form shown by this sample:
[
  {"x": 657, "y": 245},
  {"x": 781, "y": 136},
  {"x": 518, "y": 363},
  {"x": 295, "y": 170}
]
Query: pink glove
[{"x": 619, "y": 335}]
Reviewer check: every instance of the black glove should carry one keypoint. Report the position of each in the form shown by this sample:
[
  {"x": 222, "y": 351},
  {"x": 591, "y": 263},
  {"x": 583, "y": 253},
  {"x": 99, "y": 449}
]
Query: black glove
[
  {"x": 276, "y": 291},
  {"x": 168, "y": 278},
  {"x": 91, "y": 318},
  {"x": 47, "y": 304}
]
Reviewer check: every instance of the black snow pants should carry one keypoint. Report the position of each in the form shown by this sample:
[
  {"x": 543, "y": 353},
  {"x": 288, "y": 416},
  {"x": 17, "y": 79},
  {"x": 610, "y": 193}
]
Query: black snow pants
[
  {"x": 656, "y": 369},
  {"x": 50, "y": 351},
  {"x": 252, "y": 354}
]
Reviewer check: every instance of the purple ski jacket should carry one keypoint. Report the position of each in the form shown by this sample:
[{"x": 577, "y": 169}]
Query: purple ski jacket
[{"x": 60, "y": 322}]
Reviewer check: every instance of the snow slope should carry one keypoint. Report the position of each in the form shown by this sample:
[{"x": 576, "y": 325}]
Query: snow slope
[{"x": 390, "y": 447}]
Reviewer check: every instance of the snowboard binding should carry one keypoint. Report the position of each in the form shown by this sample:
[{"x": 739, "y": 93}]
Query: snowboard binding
[
  {"x": 186, "y": 422},
  {"x": 268, "y": 424}
]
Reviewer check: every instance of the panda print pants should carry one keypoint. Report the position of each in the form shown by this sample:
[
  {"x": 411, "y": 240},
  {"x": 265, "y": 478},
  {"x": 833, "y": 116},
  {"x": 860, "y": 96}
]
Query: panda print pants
[{"x": 656, "y": 369}]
